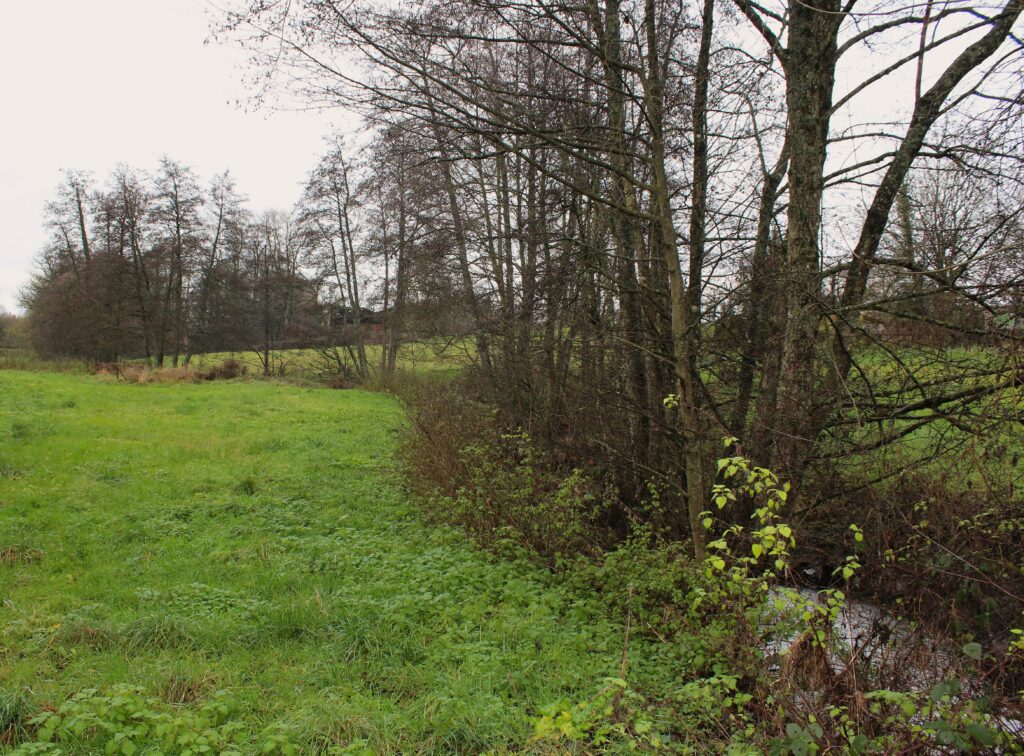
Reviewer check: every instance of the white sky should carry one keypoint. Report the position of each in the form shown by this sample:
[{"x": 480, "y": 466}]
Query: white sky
[
  {"x": 90, "y": 84},
  {"x": 87, "y": 84}
]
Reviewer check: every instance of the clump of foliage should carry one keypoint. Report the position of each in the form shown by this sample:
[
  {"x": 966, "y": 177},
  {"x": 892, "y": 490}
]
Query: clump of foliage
[
  {"x": 498, "y": 485},
  {"x": 733, "y": 652},
  {"x": 816, "y": 693},
  {"x": 511, "y": 495},
  {"x": 126, "y": 721},
  {"x": 945, "y": 541},
  {"x": 15, "y": 711},
  {"x": 138, "y": 372}
]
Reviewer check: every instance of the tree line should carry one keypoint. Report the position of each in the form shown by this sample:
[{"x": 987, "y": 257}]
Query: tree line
[
  {"x": 670, "y": 223},
  {"x": 158, "y": 267}
]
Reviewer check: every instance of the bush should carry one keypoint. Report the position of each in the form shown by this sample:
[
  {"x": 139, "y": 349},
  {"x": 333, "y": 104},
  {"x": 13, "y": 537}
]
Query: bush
[
  {"x": 496, "y": 484},
  {"x": 443, "y": 420},
  {"x": 731, "y": 645},
  {"x": 735, "y": 648},
  {"x": 133, "y": 372},
  {"x": 511, "y": 494},
  {"x": 225, "y": 371}
]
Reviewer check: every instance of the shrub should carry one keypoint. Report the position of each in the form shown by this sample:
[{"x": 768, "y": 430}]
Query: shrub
[
  {"x": 443, "y": 420},
  {"x": 759, "y": 658},
  {"x": 947, "y": 556},
  {"x": 133, "y": 372},
  {"x": 226, "y": 370},
  {"x": 497, "y": 485}
]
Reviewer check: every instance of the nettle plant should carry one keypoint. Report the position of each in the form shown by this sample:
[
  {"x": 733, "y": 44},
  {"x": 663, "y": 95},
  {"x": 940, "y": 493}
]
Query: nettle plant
[
  {"x": 747, "y": 562},
  {"x": 616, "y": 714},
  {"x": 125, "y": 720}
]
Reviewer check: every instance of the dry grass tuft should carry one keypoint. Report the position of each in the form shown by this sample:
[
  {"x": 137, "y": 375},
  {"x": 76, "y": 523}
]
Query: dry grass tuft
[
  {"x": 14, "y": 554},
  {"x": 179, "y": 689},
  {"x": 144, "y": 374}
]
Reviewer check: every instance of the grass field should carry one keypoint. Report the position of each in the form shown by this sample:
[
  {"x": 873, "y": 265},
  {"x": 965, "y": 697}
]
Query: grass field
[
  {"x": 980, "y": 443},
  {"x": 243, "y": 554},
  {"x": 438, "y": 357}
]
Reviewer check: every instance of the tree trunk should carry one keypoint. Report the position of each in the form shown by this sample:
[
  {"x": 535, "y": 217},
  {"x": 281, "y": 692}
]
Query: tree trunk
[
  {"x": 810, "y": 76},
  {"x": 685, "y": 321}
]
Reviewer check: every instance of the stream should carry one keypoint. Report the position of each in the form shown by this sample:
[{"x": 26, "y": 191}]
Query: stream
[{"x": 912, "y": 659}]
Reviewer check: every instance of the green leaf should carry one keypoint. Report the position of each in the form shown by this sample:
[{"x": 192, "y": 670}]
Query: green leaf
[
  {"x": 973, "y": 650},
  {"x": 981, "y": 733},
  {"x": 859, "y": 743},
  {"x": 944, "y": 689}
]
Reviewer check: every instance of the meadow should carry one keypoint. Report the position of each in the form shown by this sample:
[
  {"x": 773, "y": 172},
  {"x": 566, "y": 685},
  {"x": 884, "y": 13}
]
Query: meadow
[
  {"x": 437, "y": 357},
  {"x": 235, "y": 564}
]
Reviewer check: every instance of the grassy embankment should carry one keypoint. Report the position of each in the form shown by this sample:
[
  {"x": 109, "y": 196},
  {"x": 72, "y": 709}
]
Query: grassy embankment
[
  {"x": 969, "y": 442},
  {"x": 254, "y": 538},
  {"x": 435, "y": 358},
  {"x": 439, "y": 357}
]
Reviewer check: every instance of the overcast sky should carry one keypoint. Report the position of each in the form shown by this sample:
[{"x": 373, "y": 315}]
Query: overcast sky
[
  {"x": 87, "y": 84},
  {"x": 91, "y": 84}
]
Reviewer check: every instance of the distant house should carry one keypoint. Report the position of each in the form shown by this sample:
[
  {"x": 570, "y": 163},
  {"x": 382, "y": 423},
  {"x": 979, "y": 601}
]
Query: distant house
[{"x": 342, "y": 320}]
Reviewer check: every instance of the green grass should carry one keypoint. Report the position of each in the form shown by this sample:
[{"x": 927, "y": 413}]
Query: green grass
[
  {"x": 26, "y": 359},
  {"x": 254, "y": 538},
  {"x": 437, "y": 357},
  {"x": 978, "y": 449}
]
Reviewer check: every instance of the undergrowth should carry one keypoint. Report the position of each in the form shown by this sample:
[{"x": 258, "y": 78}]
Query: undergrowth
[{"x": 734, "y": 656}]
